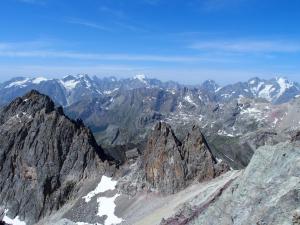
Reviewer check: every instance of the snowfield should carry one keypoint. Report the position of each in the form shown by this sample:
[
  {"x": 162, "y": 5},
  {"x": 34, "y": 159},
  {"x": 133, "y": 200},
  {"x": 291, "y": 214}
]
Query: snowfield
[{"x": 106, "y": 206}]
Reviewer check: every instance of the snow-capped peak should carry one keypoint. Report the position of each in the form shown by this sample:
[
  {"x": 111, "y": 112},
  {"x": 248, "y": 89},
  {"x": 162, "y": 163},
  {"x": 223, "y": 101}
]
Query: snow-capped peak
[
  {"x": 70, "y": 81},
  {"x": 140, "y": 77},
  {"x": 69, "y": 77},
  {"x": 211, "y": 85},
  {"x": 254, "y": 81},
  {"x": 39, "y": 80},
  {"x": 22, "y": 82}
]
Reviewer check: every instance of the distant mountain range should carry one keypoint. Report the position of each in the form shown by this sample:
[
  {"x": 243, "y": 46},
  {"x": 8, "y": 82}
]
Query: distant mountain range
[
  {"x": 72, "y": 89},
  {"x": 123, "y": 111}
]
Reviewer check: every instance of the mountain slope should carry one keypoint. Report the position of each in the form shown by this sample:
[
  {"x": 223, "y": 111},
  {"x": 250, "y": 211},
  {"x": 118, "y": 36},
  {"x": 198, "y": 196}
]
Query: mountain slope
[
  {"x": 277, "y": 91},
  {"x": 44, "y": 156},
  {"x": 267, "y": 192}
]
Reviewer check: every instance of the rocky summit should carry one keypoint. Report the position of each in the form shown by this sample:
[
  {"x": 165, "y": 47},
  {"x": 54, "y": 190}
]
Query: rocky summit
[
  {"x": 44, "y": 157},
  {"x": 171, "y": 165}
]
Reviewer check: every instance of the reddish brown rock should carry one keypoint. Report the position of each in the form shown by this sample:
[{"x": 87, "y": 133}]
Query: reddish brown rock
[{"x": 171, "y": 165}]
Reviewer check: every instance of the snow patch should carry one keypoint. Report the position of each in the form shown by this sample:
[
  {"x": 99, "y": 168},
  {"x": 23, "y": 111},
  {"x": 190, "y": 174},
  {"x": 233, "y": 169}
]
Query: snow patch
[
  {"x": 171, "y": 91},
  {"x": 140, "y": 77},
  {"x": 105, "y": 184},
  {"x": 250, "y": 111},
  {"x": 15, "y": 221},
  {"x": 110, "y": 91},
  {"x": 39, "y": 80},
  {"x": 70, "y": 84},
  {"x": 200, "y": 118},
  {"x": 226, "y": 95},
  {"x": 254, "y": 113},
  {"x": 189, "y": 99},
  {"x": 275, "y": 121},
  {"x": 256, "y": 89},
  {"x": 107, "y": 207},
  {"x": 218, "y": 89},
  {"x": 266, "y": 92},
  {"x": 224, "y": 133},
  {"x": 20, "y": 83},
  {"x": 284, "y": 85},
  {"x": 252, "y": 82},
  {"x": 219, "y": 160}
]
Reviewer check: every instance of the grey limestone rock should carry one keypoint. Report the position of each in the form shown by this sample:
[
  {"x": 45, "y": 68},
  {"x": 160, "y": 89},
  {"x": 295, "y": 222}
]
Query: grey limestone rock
[
  {"x": 268, "y": 192},
  {"x": 44, "y": 156}
]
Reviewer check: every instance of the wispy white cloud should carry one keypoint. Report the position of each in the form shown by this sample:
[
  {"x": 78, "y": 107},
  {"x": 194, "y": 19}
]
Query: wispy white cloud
[
  {"x": 49, "y": 69},
  {"x": 87, "y": 23},
  {"x": 114, "y": 26},
  {"x": 104, "y": 57},
  {"x": 28, "y": 45},
  {"x": 248, "y": 46},
  {"x": 44, "y": 49}
]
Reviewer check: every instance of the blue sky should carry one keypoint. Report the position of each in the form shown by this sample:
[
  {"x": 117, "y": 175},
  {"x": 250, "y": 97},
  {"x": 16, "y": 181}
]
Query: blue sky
[{"x": 184, "y": 40}]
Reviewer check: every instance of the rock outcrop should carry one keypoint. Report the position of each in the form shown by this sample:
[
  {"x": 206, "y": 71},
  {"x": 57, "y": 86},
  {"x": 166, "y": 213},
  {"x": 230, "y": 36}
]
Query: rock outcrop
[
  {"x": 164, "y": 165},
  {"x": 44, "y": 157},
  {"x": 268, "y": 192},
  {"x": 171, "y": 165}
]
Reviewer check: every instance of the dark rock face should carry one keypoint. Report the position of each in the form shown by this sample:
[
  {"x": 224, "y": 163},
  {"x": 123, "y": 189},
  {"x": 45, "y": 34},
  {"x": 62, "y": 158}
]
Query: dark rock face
[
  {"x": 171, "y": 165},
  {"x": 164, "y": 165},
  {"x": 295, "y": 136},
  {"x": 44, "y": 156},
  {"x": 197, "y": 157}
]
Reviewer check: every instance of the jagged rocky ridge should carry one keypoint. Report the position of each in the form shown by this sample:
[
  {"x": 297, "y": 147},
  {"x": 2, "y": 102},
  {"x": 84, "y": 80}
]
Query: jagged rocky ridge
[
  {"x": 122, "y": 112},
  {"x": 44, "y": 157},
  {"x": 48, "y": 160},
  {"x": 171, "y": 165},
  {"x": 71, "y": 89}
]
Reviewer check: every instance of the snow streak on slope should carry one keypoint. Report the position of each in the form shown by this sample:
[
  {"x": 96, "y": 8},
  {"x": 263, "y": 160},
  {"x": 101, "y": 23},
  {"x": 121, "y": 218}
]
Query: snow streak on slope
[
  {"x": 105, "y": 184},
  {"x": 106, "y": 205},
  {"x": 284, "y": 85},
  {"x": 19, "y": 83}
]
